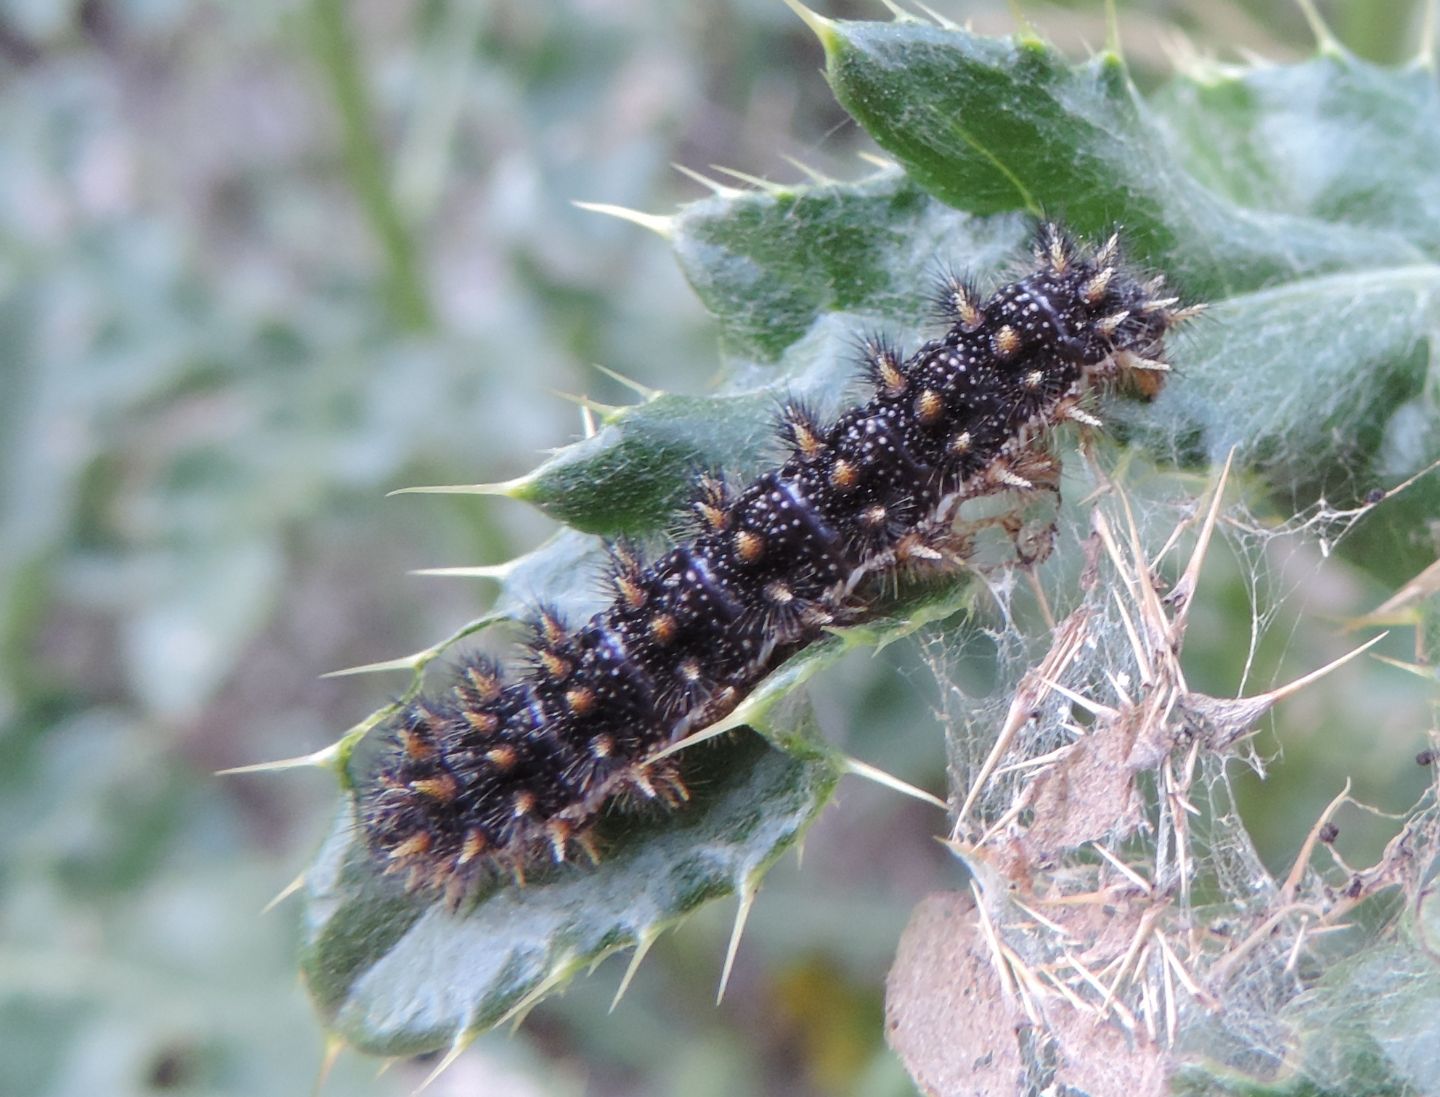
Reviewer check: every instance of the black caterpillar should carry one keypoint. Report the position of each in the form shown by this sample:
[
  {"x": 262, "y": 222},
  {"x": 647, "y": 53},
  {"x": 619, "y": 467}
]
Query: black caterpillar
[{"x": 495, "y": 775}]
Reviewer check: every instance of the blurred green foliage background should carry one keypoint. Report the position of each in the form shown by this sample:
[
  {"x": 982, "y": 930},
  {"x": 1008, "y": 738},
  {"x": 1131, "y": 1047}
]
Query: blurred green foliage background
[{"x": 261, "y": 264}]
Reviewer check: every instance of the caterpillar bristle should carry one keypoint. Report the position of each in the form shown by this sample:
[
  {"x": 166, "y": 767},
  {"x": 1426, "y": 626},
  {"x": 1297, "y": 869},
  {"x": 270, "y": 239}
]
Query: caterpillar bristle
[
  {"x": 626, "y": 575},
  {"x": 712, "y": 502},
  {"x": 1054, "y": 250},
  {"x": 956, "y": 300},
  {"x": 801, "y": 431},
  {"x": 884, "y": 366}
]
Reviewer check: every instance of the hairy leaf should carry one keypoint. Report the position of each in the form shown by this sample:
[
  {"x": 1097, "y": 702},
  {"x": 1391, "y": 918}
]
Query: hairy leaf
[
  {"x": 1297, "y": 201},
  {"x": 1316, "y": 247},
  {"x": 395, "y": 974}
]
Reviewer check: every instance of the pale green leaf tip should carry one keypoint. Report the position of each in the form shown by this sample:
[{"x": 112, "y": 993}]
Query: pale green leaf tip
[
  {"x": 940, "y": 20},
  {"x": 736, "y": 719},
  {"x": 884, "y": 163},
  {"x": 292, "y": 888},
  {"x": 458, "y": 1047},
  {"x": 742, "y": 915},
  {"x": 813, "y": 174},
  {"x": 325, "y": 758},
  {"x": 334, "y": 1045},
  {"x": 1113, "y": 43},
  {"x": 498, "y": 572},
  {"x": 1429, "y": 28},
  {"x": 405, "y": 662},
  {"x": 603, "y": 410},
  {"x": 1325, "y": 41},
  {"x": 1113, "y": 61},
  {"x": 822, "y": 28},
  {"x": 645, "y": 392},
  {"x": 647, "y": 938},
  {"x": 515, "y": 488},
  {"x": 890, "y": 781},
  {"x": 1028, "y": 41},
  {"x": 765, "y": 186},
  {"x": 561, "y": 971},
  {"x": 714, "y": 186},
  {"x": 655, "y": 222}
]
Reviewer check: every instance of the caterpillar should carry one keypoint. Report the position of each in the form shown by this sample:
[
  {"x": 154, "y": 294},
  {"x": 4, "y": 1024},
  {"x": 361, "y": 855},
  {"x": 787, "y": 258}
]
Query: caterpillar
[{"x": 495, "y": 775}]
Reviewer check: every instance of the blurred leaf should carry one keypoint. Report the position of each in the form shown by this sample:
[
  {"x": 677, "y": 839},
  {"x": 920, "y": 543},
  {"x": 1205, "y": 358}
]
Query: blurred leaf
[
  {"x": 1368, "y": 1028},
  {"x": 187, "y": 635}
]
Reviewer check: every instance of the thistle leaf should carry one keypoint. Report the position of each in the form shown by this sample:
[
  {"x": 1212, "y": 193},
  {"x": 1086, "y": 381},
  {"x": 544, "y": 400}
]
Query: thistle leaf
[{"x": 1299, "y": 201}]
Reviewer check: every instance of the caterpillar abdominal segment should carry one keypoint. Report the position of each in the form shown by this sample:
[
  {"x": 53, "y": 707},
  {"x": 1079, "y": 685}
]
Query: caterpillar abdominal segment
[{"x": 497, "y": 775}]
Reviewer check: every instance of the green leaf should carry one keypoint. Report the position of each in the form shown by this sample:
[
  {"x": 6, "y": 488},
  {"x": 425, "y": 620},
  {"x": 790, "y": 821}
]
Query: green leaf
[
  {"x": 782, "y": 272},
  {"x": 395, "y": 975},
  {"x": 994, "y": 124},
  {"x": 633, "y": 472},
  {"x": 1298, "y": 201},
  {"x": 767, "y": 264},
  {"x": 367, "y": 941},
  {"x": 1311, "y": 363},
  {"x": 1319, "y": 137},
  {"x": 1315, "y": 404}
]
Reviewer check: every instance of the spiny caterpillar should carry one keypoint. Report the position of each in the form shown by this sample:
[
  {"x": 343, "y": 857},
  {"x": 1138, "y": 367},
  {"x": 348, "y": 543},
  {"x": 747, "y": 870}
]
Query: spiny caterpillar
[{"x": 495, "y": 775}]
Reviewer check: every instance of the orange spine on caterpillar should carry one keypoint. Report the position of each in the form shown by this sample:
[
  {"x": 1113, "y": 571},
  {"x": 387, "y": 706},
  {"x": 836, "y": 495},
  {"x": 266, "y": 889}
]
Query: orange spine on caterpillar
[{"x": 497, "y": 774}]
